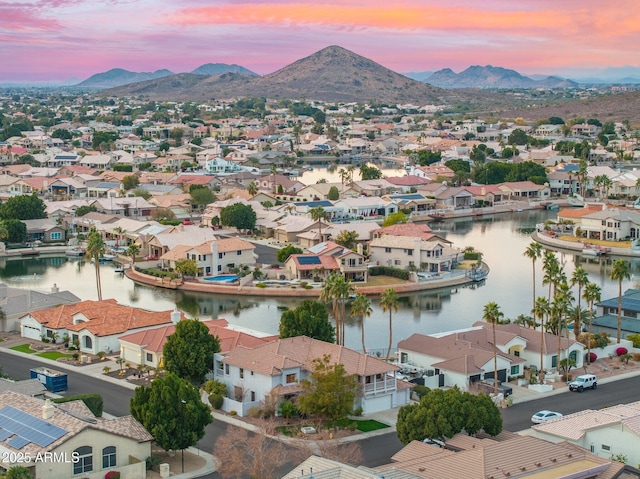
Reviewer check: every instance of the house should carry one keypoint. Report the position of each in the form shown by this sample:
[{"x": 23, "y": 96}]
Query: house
[
  {"x": 16, "y": 302},
  {"x": 217, "y": 165},
  {"x": 454, "y": 197},
  {"x": 413, "y": 202},
  {"x": 604, "y": 432},
  {"x": 611, "y": 224},
  {"x": 213, "y": 257},
  {"x": 145, "y": 347},
  {"x": 159, "y": 240},
  {"x": 365, "y": 207},
  {"x": 414, "y": 253},
  {"x": 606, "y": 318},
  {"x": 45, "y": 230},
  {"x": 95, "y": 325},
  {"x": 525, "y": 191},
  {"x": 80, "y": 444},
  {"x": 252, "y": 375}
]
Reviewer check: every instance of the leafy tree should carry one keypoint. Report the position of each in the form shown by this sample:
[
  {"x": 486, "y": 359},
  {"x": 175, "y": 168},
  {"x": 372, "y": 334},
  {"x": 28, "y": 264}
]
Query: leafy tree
[
  {"x": 238, "y": 215},
  {"x": 142, "y": 193},
  {"x": 95, "y": 250},
  {"x": 621, "y": 271},
  {"x": 310, "y": 319},
  {"x": 172, "y": 411},
  {"x": 125, "y": 168},
  {"x": 427, "y": 157},
  {"x": 283, "y": 253},
  {"x": 187, "y": 267},
  {"x": 130, "y": 182},
  {"x": 28, "y": 159},
  {"x": 389, "y": 302},
  {"x": 62, "y": 134},
  {"x": 333, "y": 193},
  {"x": 347, "y": 238},
  {"x": 201, "y": 197},
  {"x": 441, "y": 414},
  {"x": 83, "y": 210},
  {"x": 518, "y": 137},
  {"x": 16, "y": 231},
  {"x": 555, "y": 120},
  {"x": 103, "y": 139},
  {"x": 330, "y": 393},
  {"x": 189, "y": 351},
  {"x": 370, "y": 173},
  {"x": 395, "y": 218},
  {"x": 459, "y": 165},
  {"x": 24, "y": 207}
]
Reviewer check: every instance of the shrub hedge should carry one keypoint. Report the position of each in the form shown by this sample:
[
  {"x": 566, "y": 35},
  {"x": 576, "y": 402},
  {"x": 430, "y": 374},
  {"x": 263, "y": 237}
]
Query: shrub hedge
[
  {"x": 389, "y": 271},
  {"x": 92, "y": 400}
]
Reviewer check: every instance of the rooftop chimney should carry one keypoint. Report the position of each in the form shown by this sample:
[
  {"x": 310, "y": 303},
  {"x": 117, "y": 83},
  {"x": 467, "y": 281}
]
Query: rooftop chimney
[
  {"x": 47, "y": 409},
  {"x": 175, "y": 316},
  {"x": 54, "y": 288}
]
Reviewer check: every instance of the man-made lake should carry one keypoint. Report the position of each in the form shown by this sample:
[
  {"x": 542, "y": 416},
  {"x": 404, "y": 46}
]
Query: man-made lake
[{"x": 501, "y": 238}]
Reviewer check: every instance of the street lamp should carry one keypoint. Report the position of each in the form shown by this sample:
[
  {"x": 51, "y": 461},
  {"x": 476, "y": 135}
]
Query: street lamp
[{"x": 182, "y": 438}]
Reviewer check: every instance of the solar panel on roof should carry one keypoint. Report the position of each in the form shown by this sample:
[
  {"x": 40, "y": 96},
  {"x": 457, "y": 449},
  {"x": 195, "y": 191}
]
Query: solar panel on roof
[
  {"x": 28, "y": 428},
  {"x": 309, "y": 260},
  {"x": 18, "y": 442},
  {"x": 4, "y": 434}
]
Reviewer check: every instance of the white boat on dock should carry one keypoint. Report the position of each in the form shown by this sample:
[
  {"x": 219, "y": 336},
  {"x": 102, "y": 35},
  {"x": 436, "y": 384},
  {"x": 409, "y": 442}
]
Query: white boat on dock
[{"x": 74, "y": 252}]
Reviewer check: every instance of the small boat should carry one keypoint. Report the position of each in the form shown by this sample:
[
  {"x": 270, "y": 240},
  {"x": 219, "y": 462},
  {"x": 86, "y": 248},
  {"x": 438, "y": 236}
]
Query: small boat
[
  {"x": 107, "y": 258},
  {"x": 74, "y": 252},
  {"x": 436, "y": 216},
  {"x": 118, "y": 270},
  {"x": 591, "y": 252}
]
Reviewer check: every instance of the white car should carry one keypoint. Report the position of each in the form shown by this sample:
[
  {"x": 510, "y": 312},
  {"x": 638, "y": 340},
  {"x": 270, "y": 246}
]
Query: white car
[{"x": 544, "y": 416}]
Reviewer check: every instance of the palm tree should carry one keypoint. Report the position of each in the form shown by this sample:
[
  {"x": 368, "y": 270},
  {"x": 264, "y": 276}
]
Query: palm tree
[
  {"x": 95, "y": 250},
  {"x": 361, "y": 308},
  {"x": 550, "y": 266},
  {"x": 621, "y": 270},
  {"x": 541, "y": 309},
  {"x": 273, "y": 179},
  {"x": 591, "y": 294},
  {"x": 118, "y": 231},
  {"x": 492, "y": 314},
  {"x": 318, "y": 214},
  {"x": 336, "y": 290},
  {"x": 581, "y": 278},
  {"x": 559, "y": 310},
  {"x": 389, "y": 302},
  {"x": 132, "y": 252},
  {"x": 534, "y": 252},
  {"x": 252, "y": 189}
]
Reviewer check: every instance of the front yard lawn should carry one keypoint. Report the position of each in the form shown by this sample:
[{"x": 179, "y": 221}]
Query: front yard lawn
[
  {"x": 54, "y": 355},
  {"x": 362, "y": 425},
  {"x": 23, "y": 348}
]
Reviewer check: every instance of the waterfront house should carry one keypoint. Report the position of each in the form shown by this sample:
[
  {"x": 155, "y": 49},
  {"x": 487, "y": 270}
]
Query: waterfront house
[
  {"x": 253, "y": 375},
  {"x": 611, "y": 224},
  {"x": 78, "y": 443},
  {"x": 95, "y": 325},
  {"x": 327, "y": 258},
  {"x": 606, "y": 318},
  {"x": 365, "y": 207},
  {"x": 45, "y": 230},
  {"x": 414, "y": 253},
  {"x": 160, "y": 240},
  {"x": 525, "y": 191}
]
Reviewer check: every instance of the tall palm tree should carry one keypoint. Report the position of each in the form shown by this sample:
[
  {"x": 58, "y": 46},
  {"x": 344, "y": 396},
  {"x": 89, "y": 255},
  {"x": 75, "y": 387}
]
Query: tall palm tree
[
  {"x": 591, "y": 294},
  {"x": 541, "y": 309},
  {"x": 534, "y": 252},
  {"x": 389, "y": 302},
  {"x": 252, "y": 188},
  {"x": 336, "y": 290},
  {"x": 95, "y": 250},
  {"x": 580, "y": 278},
  {"x": 621, "y": 270},
  {"x": 550, "y": 266},
  {"x": 559, "y": 310},
  {"x": 132, "y": 252},
  {"x": 361, "y": 308},
  {"x": 119, "y": 230},
  {"x": 273, "y": 172},
  {"x": 492, "y": 314},
  {"x": 318, "y": 214}
]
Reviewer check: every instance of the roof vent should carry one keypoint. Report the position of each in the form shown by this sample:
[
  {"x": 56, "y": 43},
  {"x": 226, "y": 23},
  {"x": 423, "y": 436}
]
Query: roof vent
[
  {"x": 569, "y": 454},
  {"x": 538, "y": 464},
  {"x": 554, "y": 460},
  {"x": 47, "y": 409}
]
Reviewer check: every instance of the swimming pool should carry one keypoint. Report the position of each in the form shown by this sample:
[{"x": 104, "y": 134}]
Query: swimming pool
[{"x": 224, "y": 278}]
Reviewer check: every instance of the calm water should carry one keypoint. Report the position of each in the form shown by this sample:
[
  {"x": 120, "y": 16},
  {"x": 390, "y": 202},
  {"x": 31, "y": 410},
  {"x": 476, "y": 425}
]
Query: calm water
[
  {"x": 330, "y": 173},
  {"x": 502, "y": 239}
]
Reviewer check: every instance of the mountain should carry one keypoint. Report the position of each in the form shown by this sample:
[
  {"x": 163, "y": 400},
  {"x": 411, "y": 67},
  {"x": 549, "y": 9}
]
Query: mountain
[
  {"x": 220, "y": 68},
  {"x": 117, "y": 77},
  {"x": 331, "y": 74},
  {"x": 493, "y": 77},
  {"x": 419, "y": 76}
]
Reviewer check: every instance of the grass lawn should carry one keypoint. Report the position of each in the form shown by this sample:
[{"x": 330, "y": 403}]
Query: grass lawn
[
  {"x": 610, "y": 244},
  {"x": 370, "y": 425},
  {"x": 384, "y": 281},
  {"x": 23, "y": 348},
  {"x": 53, "y": 355}
]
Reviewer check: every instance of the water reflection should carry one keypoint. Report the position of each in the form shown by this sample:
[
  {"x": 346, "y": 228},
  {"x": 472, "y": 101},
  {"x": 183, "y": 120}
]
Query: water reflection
[{"x": 501, "y": 238}]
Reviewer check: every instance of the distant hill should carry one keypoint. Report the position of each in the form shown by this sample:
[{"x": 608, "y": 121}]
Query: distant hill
[
  {"x": 220, "y": 68},
  {"x": 493, "y": 77},
  {"x": 117, "y": 77},
  {"x": 331, "y": 74}
]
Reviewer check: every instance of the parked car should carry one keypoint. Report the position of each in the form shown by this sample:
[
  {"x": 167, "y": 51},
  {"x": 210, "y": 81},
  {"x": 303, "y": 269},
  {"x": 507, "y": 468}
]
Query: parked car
[
  {"x": 585, "y": 381},
  {"x": 488, "y": 386},
  {"x": 544, "y": 416},
  {"x": 434, "y": 442}
]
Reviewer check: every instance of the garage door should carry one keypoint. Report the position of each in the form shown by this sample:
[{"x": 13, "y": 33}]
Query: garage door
[
  {"x": 381, "y": 403},
  {"x": 30, "y": 332}
]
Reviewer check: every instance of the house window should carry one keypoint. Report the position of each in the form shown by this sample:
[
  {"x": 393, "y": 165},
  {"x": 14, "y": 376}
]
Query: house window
[
  {"x": 387, "y": 250},
  {"x": 410, "y": 252},
  {"x": 150, "y": 357},
  {"x": 251, "y": 372},
  {"x": 84, "y": 460},
  {"x": 397, "y": 262},
  {"x": 226, "y": 369},
  {"x": 605, "y": 447},
  {"x": 56, "y": 236},
  {"x": 241, "y": 373},
  {"x": 88, "y": 343},
  {"x": 109, "y": 457},
  {"x": 253, "y": 396},
  {"x": 239, "y": 252},
  {"x": 204, "y": 257},
  {"x": 554, "y": 361},
  {"x": 515, "y": 370},
  {"x": 219, "y": 255},
  {"x": 219, "y": 267},
  {"x": 291, "y": 378}
]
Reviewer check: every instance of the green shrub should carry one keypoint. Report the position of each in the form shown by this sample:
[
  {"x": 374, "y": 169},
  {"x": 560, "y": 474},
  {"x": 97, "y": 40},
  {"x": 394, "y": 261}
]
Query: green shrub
[
  {"x": 389, "y": 271},
  {"x": 213, "y": 386},
  {"x": 153, "y": 462},
  {"x": 635, "y": 338},
  {"x": 92, "y": 400},
  {"x": 472, "y": 255},
  {"x": 233, "y": 413},
  {"x": 308, "y": 286},
  {"x": 261, "y": 285},
  {"x": 255, "y": 412},
  {"x": 421, "y": 391},
  {"x": 216, "y": 401}
]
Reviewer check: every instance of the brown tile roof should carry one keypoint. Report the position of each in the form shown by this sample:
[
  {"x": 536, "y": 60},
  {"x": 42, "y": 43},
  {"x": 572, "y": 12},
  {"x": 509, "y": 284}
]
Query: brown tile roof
[
  {"x": 233, "y": 244},
  {"x": 73, "y": 418},
  {"x": 102, "y": 318},
  {"x": 579, "y": 212},
  {"x": 273, "y": 357},
  {"x": 153, "y": 340}
]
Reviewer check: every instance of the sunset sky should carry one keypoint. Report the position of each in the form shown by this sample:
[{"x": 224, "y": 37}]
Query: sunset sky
[{"x": 52, "y": 40}]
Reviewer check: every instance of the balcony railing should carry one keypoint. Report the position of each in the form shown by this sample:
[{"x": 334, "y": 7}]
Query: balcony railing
[{"x": 382, "y": 386}]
